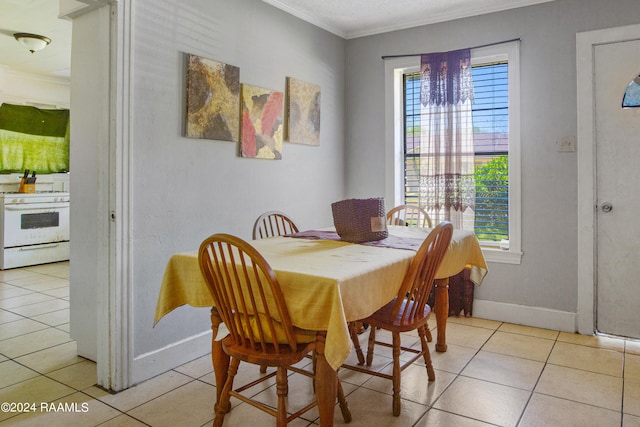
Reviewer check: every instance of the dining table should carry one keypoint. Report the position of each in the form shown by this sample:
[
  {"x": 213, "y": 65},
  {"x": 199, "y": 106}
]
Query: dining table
[{"x": 327, "y": 283}]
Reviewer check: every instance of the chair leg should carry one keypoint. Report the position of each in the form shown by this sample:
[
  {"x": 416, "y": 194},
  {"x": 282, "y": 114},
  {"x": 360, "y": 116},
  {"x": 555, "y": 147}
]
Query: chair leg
[
  {"x": 225, "y": 397},
  {"x": 427, "y": 331},
  {"x": 353, "y": 331},
  {"x": 282, "y": 389},
  {"x": 396, "y": 374},
  {"x": 426, "y": 354},
  {"x": 372, "y": 341},
  {"x": 344, "y": 406},
  {"x": 314, "y": 362}
]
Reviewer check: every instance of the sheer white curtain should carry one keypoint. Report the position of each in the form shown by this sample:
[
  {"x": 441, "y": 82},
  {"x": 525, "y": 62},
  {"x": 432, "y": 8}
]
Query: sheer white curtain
[{"x": 447, "y": 187}]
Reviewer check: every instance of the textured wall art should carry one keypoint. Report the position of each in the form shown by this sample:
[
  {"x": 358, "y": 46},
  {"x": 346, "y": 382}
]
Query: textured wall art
[
  {"x": 262, "y": 123},
  {"x": 213, "y": 100},
  {"x": 303, "y": 112}
]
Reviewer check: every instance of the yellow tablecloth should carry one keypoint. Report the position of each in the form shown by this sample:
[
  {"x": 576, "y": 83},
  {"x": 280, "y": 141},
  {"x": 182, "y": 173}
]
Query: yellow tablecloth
[
  {"x": 464, "y": 251},
  {"x": 325, "y": 283}
]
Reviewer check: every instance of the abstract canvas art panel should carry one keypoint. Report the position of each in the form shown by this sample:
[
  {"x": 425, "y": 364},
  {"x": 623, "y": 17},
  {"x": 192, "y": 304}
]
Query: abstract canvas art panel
[
  {"x": 262, "y": 123},
  {"x": 213, "y": 100},
  {"x": 303, "y": 112}
]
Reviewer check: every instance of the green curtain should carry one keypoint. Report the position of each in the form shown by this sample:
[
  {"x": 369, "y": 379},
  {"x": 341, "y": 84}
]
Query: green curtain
[{"x": 33, "y": 138}]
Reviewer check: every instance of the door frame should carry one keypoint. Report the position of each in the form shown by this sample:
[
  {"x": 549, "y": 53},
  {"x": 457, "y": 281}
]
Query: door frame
[
  {"x": 112, "y": 129},
  {"x": 587, "y": 188}
]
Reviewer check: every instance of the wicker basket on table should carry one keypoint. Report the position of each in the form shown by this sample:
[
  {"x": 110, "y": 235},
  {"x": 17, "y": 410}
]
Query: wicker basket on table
[{"x": 360, "y": 220}]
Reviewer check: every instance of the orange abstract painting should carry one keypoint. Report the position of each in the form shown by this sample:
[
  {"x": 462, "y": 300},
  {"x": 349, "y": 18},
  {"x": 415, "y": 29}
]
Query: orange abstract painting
[{"x": 262, "y": 123}]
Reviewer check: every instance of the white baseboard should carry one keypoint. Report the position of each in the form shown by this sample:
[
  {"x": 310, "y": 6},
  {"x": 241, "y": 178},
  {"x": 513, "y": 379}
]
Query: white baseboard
[
  {"x": 154, "y": 363},
  {"x": 162, "y": 360},
  {"x": 524, "y": 315}
]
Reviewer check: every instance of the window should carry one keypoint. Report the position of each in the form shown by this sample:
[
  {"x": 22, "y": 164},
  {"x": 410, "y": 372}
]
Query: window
[
  {"x": 490, "y": 111},
  {"x": 496, "y": 139}
]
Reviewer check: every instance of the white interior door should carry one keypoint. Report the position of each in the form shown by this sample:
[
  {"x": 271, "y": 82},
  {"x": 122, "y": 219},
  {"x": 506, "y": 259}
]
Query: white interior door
[{"x": 617, "y": 159}]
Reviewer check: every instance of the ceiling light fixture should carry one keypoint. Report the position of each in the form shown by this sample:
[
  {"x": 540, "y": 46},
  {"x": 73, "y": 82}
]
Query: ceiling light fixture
[{"x": 33, "y": 42}]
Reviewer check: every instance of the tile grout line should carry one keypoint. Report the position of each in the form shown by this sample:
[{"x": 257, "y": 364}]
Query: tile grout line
[
  {"x": 429, "y": 408},
  {"x": 533, "y": 389},
  {"x": 458, "y": 375}
]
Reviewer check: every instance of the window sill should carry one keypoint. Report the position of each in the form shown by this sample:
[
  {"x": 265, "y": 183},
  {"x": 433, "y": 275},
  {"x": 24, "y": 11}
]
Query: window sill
[{"x": 501, "y": 256}]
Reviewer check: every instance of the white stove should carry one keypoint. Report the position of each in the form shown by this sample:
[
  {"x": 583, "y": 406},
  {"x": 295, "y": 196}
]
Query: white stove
[{"x": 35, "y": 228}]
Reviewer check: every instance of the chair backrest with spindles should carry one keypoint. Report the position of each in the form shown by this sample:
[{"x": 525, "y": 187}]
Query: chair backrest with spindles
[
  {"x": 409, "y": 215},
  {"x": 246, "y": 294},
  {"x": 273, "y": 223},
  {"x": 416, "y": 286}
]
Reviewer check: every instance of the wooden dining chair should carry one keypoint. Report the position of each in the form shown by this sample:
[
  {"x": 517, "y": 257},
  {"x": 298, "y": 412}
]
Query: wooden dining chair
[
  {"x": 405, "y": 215},
  {"x": 409, "y": 215},
  {"x": 408, "y": 311},
  {"x": 273, "y": 223},
  {"x": 249, "y": 300}
]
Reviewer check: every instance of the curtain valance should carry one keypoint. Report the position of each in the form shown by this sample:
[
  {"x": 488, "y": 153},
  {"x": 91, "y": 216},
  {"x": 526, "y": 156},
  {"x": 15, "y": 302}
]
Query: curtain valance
[{"x": 446, "y": 78}]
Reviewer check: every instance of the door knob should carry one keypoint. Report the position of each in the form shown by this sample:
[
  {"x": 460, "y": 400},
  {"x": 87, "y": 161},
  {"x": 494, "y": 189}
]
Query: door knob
[{"x": 606, "y": 207}]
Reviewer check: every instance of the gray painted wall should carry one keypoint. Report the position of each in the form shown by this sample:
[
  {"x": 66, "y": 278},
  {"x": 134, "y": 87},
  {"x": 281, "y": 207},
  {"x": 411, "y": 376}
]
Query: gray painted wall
[
  {"x": 186, "y": 189},
  {"x": 183, "y": 189},
  {"x": 547, "y": 276}
]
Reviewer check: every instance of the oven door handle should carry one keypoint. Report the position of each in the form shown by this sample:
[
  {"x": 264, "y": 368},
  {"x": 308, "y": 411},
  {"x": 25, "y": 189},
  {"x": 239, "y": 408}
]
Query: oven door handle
[
  {"x": 36, "y": 206},
  {"x": 36, "y": 247}
]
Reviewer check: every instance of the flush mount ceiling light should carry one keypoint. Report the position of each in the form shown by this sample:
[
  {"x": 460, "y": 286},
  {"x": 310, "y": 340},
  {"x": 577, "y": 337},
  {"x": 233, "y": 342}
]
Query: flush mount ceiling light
[
  {"x": 33, "y": 42},
  {"x": 631, "y": 96}
]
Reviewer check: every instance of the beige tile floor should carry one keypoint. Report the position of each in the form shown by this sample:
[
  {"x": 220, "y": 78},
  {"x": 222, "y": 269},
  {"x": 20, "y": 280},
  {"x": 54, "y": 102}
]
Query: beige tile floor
[{"x": 494, "y": 374}]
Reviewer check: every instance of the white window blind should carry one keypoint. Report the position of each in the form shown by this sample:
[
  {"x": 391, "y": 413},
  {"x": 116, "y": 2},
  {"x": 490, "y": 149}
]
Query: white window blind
[{"x": 491, "y": 140}]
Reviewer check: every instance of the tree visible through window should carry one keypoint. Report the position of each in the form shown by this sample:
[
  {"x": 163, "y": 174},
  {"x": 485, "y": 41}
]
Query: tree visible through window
[{"x": 491, "y": 141}]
